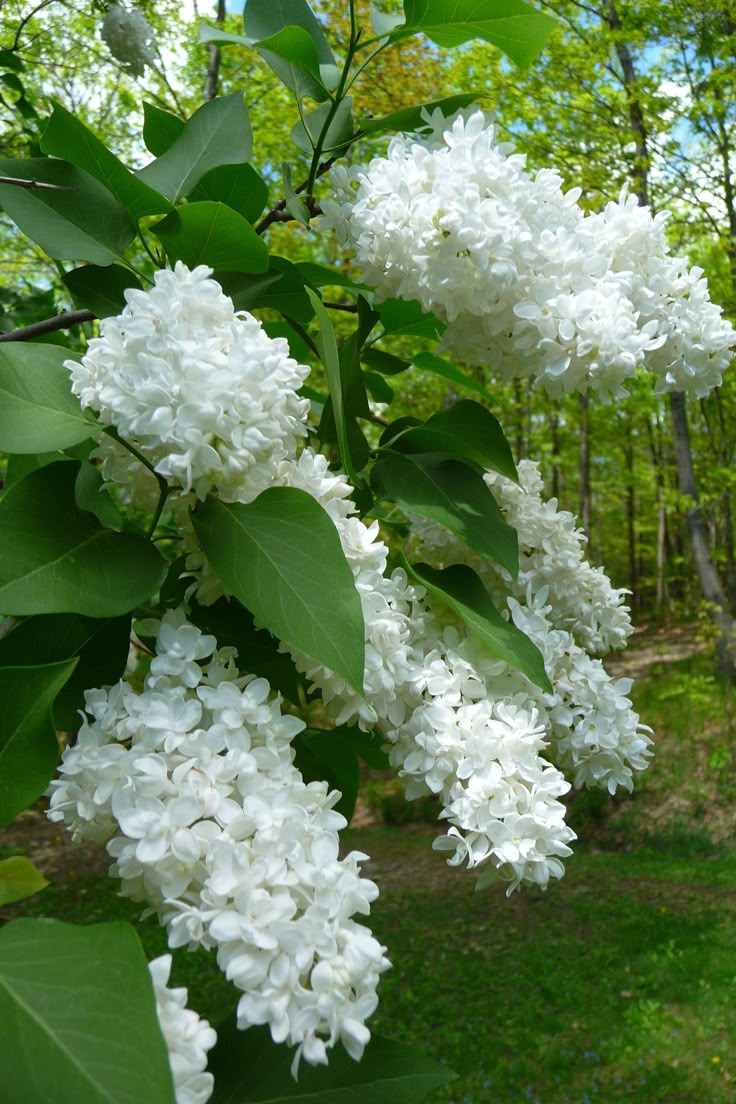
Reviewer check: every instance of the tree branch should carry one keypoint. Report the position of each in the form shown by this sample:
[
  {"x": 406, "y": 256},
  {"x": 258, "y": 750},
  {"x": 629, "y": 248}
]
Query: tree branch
[
  {"x": 36, "y": 184},
  {"x": 27, "y": 19},
  {"x": 49, "y": 325},
  {"x": 279, "y": 212}
]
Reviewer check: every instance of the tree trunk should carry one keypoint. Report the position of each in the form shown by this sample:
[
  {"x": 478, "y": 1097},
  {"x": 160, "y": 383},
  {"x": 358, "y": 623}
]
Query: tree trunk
[
  {"x": 213, "y": 65},
  {"x": 631, "y": 523},
  {"x": 710, "y": 581}
]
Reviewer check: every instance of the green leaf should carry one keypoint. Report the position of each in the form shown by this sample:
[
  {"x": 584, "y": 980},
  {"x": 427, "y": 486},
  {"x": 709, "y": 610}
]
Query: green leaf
[
  {"x": 451, "y": 493},
  {"x": 466, "y": 429},
  {"x": 160, "y": 129},
  {"x": 461, "y": 589},
  {"x": 250, "y": 1069},
  {"x": 237, "y": 186},
  {"x": 217, "y": 36},
  {"x": 320, "y": 276},
  {"x": 10, "y": 60},
  {"x": 397, "y": 427},
  {"x": 79, "y": 1017},
  {"x": 307, "y": 132},
  {"x": 258, "y": 651},
  {"x": 511, "y": 25},
  {"x": 262, "y": 19},
  {"x": 10, "y": 80},
  {"x": 326, "y": 755},
  {"x": 298, "y": 49},
  {"x": 28, "y": 744},
  {"x": 385, "y": 363},
  {"x": 327, "y": 346},
  {"x": 85, "y": 223},
  {"x": 379, "y": 390},
  {"x": 428, "y": 362},
  {"x": 38, "y": 412},
  {"x": 19, "y": 879},
  {"x": 293, "y": 204},
  {"x": 56, "y": 558},
  {"x": 281, "y": 288},
  {"x": 91, "y": 495},
  {"x": 212, "y": 234},
  {"x": 101, "y": 290},
  {"x": 281, "y": 557},
  {"x": 100, "y": 646},
  {"x": 409, "y": 119},
  {"x": 401, "y": 317},
  {"x": 66, "y": 136},
  {"x": 218, "y": 133},
  {"x": 20, "y": 464}
]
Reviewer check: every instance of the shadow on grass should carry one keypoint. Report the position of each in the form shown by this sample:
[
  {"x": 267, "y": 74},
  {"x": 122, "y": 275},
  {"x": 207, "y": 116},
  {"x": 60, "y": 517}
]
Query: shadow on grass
[{"x": 618, "y": 984}]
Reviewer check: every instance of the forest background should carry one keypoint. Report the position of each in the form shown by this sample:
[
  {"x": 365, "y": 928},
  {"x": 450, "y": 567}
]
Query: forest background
[{"x": 639, "y": 94}]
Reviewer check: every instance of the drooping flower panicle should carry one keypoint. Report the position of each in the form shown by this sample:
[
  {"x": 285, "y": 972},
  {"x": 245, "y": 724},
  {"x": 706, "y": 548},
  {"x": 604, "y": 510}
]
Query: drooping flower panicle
[{"x": 213, "y": 826}]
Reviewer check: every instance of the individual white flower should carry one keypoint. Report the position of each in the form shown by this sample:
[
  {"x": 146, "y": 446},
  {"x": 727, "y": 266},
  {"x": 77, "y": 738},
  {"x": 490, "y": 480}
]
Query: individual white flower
[
  {"x": 201, "y": 390},
  {"x": 129, "y": 37},
  {"x": 219, "y": 833},
  {"x": 187, "y": 1037},
  {"x": 525, "y": 283}
]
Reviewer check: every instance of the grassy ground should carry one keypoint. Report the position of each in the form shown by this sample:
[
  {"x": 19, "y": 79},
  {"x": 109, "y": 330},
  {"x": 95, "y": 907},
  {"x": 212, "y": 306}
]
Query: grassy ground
[{"x": 618, "y": 984}]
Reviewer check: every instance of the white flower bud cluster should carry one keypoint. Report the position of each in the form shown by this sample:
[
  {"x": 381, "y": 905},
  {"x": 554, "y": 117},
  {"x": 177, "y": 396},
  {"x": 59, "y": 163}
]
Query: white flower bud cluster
[
  {"x": 525, "y": 281},
  {"x": 129, "y": 37},
  {"x": 218, "y": 832},
  {"x": 187, "y": 1037},
  {"x": 200, "y": 389}
]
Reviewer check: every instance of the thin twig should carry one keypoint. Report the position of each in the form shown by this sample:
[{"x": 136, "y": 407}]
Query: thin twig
[
  {"x": 38, "y": 185},
  {"x": 49, "y": 325},
  {"x": 350, "y": 307},
  {"x": 27, "y": 19},
  {"x": 279, "y": 212}
]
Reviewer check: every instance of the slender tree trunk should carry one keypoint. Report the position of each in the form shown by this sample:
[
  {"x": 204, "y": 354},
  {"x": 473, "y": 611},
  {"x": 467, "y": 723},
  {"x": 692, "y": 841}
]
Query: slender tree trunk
[
  {"x": 213, "y": 65},
  {"x": 725, "y": 459},
  {"x": 710, "y": 581},
  {"x": 631, "y": 523},
  {"x": 661, "y": 595}
]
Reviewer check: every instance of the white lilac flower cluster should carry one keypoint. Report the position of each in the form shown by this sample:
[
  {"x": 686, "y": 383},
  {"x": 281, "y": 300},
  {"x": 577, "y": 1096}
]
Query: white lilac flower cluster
[
  {"x": 525, "y": 281},
  {"x": 213, "y": 825},
  {"x": 459, "y": 723},
  {"x": 187, "y": 1037},
  {"x": 129, "y": 38},
  {"x": 470, "y": 728},
  {"x": 199, "y": 388},
  {"x": 573, "y": 614}
]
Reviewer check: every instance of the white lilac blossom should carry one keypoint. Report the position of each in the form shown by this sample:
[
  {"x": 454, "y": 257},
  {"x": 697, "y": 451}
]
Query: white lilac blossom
[
  {"x": 213, "y": 826},
  {"x": 199, "y": 388},
  {"x": 129, "y": 38},
  {"x": 525, "y": 282},
  {"x": 569, "y": 610},
  {"x": 427, "y": 691},
  {"x": 470, "y": 728},
  {"x": 187, "y": 1037}
]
